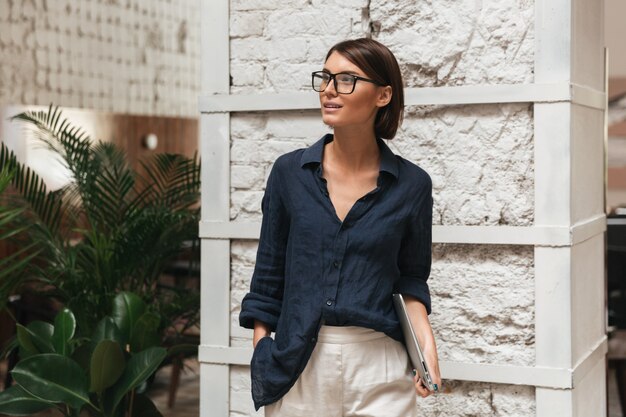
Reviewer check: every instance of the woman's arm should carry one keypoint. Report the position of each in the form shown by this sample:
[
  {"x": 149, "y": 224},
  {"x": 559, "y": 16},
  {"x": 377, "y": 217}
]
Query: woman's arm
[
  {"x": 423, "y": 330},
  {"x": 260, "y": 331},
  {"x": 263, "y": 303}
]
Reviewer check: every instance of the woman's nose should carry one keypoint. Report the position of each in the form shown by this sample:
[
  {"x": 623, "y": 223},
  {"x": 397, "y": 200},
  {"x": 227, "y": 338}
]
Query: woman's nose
[{"x": 328, "y": 91}]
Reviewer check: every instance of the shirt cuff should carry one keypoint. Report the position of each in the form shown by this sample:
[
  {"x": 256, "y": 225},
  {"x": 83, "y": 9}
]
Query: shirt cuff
[
  {"x": 259, "y": 307},
  {"x": 416, "y": 288}
]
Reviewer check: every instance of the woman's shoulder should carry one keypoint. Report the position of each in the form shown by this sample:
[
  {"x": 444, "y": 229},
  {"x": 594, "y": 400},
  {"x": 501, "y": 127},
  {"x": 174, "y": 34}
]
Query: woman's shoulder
[
  {"x": 413, "y": 174},
  {"x": 297, "y": 158},
  {"x": 288, "y": 161}
]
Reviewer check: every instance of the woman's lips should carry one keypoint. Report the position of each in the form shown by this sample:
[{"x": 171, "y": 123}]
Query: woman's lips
[{"x": 332, "y": 107}]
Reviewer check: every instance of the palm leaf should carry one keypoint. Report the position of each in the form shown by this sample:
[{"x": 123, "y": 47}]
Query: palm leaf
[
  {"x": 73, "y": 145},
  {"x": 69, "y": 141},
  {"x": 45, "y": 205},
  {"x": 13, "y": 265},
  {"x": 113, "y": 185},
  {"x": 172, "y": 180}
]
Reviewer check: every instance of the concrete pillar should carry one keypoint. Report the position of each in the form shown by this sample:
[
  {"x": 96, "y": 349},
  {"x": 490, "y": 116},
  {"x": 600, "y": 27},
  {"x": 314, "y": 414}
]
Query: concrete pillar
[{"x": 569, "y": 191}]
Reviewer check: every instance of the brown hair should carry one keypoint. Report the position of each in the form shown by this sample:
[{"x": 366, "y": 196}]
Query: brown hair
[{"x": 378, "y": 62}]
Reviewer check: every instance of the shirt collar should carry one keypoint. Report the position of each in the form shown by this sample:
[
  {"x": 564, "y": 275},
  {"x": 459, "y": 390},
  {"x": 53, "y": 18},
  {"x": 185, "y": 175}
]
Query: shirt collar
[{"x": 313, "y": 154}]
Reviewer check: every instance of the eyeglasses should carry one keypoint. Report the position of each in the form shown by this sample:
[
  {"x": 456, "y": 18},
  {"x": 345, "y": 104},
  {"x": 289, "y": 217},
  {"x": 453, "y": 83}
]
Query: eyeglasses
[{"x": 344, "y": 83}]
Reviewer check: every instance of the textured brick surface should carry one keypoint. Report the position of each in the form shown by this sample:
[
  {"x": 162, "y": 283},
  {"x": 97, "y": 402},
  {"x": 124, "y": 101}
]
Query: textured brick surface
[
  {"x": 240, "y": 393},
  {"x": 275, "y": 45},
  {"x": 437, "y": 43},
  {"x": 257, "y": 139},
  {"x": 483, "y": 303},
  {"x": 455, "y": 42},
  {"x": 135, "y": 56},
  {"x": 480, "y": 159},
  {"x": 243, "y": 254},
  {"x": 472, "y": 399}
]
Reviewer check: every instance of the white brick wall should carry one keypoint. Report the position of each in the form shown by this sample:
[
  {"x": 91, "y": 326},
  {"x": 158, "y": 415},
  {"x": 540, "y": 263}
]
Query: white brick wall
[
  {"x": 480, "y": 159},
  {"x": 483, "y": 303},
  {"x": 480, "y": 399},
  {"x": 455, "y": 42},
  {"x": 275, "y": 45},
  {"x": 131, "y": 56},
  {"x": 257, "y": 139}
]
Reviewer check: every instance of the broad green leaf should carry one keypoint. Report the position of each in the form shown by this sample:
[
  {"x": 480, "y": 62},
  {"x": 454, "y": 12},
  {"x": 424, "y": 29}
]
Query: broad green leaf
[
  {"x": 107, "y": 365},
  {"x": 107, "y": 330},
  {"x": 127, "y": 308},
  {"x": 25, "y": 341},
  {"x": 42, "y": 335},
  {"x": 53, "y": 377},
  {"x": 35, "y": 338},
  {"x": 144, "y": 407},
  {"x": 145, "y": 333},
  {"x": 14, "y": 401},
  {"x": 140, "y": 366},
  {"x": 64, "y": 328}
]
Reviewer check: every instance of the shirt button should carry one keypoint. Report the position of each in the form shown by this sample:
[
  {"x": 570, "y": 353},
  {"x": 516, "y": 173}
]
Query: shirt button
[
  {"x": 329, "y": 302},
  {"x": 313, "y": 340},
  {"x": 336, "y": 264}
]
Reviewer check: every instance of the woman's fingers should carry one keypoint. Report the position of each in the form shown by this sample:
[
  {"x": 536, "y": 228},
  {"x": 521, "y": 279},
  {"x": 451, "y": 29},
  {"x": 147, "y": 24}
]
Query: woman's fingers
[{"x": 421, "y": 390}]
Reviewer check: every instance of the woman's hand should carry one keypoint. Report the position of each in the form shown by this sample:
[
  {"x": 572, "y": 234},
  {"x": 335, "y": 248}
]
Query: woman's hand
[
  {"x": 435, "y": 375},
  {"x": 423, "y": 330},
  {"x": 260, "y": 331}
]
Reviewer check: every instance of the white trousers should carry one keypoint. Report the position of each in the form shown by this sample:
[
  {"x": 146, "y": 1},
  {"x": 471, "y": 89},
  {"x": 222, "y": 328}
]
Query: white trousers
[{"x": 353, "y": 371}]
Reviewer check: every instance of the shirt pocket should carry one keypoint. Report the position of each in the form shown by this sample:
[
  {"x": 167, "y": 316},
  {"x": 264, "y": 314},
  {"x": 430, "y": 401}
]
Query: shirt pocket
[{"x": 258, "y": 365}]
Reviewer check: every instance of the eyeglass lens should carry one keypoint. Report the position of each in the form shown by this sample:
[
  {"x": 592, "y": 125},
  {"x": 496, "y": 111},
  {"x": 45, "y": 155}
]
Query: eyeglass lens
[{"x": 344, "y": 83}]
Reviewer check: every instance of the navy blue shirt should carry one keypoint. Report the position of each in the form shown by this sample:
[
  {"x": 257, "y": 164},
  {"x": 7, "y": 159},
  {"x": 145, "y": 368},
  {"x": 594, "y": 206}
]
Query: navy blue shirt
[{"x": 313, "y": 269}]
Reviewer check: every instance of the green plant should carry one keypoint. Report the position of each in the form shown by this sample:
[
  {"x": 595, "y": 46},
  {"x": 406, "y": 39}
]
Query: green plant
[
  {"x": 103, "y": 374},
  {"x": 13, "y": 265},
  {"x": 110, "y": 229}
]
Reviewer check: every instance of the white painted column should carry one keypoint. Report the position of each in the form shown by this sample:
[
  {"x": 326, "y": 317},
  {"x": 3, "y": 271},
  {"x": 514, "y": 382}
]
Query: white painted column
[
  {"x": 569, "y": 180},
  {"x": 215, "y": 253}
]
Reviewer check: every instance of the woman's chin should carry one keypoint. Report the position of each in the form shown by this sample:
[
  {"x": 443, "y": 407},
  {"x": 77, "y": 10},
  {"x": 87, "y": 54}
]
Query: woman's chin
[{"x": 329, "y": 121}]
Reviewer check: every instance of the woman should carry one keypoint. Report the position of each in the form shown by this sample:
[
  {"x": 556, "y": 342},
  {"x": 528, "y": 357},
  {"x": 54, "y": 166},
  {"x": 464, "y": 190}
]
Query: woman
[{"x": 346, "y": 223}]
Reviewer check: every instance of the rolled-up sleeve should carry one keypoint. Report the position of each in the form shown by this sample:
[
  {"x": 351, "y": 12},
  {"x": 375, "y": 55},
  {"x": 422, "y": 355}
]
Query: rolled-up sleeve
[
  {"x": 416, "y": 252},
  {"x": 264, "y": 300}
]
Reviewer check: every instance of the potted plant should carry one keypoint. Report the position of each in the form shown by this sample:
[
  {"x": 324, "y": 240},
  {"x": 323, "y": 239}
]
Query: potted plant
[
  {"x": 102, "y": 374},
  {"x": 110, "y": 229}
]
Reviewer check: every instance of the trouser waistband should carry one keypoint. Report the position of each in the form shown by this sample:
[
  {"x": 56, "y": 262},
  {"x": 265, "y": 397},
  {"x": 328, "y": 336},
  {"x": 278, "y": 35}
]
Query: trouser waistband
[{"x": 347, "y": 334}]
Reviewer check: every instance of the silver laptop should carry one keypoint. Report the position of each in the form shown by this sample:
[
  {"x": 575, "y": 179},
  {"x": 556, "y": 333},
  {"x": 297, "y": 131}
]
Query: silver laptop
[{"x": 412, "y": 345}]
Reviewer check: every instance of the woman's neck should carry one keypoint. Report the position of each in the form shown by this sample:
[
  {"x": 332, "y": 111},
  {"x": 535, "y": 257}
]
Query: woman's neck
[{"x": 353, "y": 151}]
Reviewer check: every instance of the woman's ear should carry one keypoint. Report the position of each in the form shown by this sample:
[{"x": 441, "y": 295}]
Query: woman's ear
[{"x": 384, "y": 96}]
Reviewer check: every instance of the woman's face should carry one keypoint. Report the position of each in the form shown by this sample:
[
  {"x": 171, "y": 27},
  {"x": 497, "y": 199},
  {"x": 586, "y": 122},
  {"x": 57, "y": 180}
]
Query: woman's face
[{"x": 357, "y": 109}]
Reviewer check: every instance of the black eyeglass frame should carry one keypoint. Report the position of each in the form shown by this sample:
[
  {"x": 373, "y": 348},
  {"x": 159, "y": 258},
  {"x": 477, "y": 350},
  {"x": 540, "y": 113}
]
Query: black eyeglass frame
[{"x": 332, "y": 76}]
